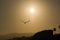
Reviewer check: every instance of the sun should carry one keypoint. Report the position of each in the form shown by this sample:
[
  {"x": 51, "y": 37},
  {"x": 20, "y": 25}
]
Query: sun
[{"x": 32, "y": 10}]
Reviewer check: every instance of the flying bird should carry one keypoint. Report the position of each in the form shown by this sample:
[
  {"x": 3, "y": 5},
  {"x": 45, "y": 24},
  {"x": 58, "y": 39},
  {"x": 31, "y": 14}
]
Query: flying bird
[{"x": 25, "y": 22}]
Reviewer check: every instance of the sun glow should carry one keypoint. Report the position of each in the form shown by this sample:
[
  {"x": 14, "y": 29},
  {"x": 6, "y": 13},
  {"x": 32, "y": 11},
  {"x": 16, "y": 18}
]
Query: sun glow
[{"x": 32, "y": 10}]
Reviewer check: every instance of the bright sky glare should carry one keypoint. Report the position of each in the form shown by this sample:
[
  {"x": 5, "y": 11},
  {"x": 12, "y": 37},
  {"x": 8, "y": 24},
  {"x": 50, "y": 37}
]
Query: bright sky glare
[{"x": 32, "y": 10}]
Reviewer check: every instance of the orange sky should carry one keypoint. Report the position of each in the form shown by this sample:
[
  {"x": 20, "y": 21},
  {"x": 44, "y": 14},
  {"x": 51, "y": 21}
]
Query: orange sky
[{"x": 13, "y": 13}]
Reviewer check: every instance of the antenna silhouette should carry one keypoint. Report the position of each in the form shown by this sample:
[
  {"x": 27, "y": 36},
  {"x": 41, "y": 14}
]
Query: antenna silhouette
[{"x": 59, "y": 26}]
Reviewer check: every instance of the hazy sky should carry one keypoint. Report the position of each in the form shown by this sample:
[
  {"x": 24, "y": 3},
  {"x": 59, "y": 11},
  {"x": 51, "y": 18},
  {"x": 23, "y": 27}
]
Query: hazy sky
[{"x": 13, "y": 13}]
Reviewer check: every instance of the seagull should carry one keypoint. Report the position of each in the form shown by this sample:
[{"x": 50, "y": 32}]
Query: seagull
[{"x": 25, "y": 22}]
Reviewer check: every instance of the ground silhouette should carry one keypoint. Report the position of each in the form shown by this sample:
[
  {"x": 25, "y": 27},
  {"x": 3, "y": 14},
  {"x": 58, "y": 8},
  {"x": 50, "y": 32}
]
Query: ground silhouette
[
  {"x": 56, "y": 37},
  {"x": 42, "y": 35}
]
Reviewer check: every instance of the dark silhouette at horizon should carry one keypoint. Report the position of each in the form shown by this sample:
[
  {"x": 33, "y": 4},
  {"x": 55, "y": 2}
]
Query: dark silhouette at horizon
[{"x": 43, "y": 35}]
